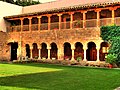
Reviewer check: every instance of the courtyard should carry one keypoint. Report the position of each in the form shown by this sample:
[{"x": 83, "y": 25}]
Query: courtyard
[{"x": 36, "y": 76}]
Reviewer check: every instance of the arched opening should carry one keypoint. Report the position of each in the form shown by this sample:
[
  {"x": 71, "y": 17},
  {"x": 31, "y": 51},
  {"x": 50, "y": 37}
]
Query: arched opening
[
  {"x": 79, "y": 52},
  {"x": 78, "y": 20},
  {"x": 67, "y": 51},
  {"x": 105, "y": 17},
  {"x": 26, "y": 24},
  {"x": 91, "y": 52},
  {"x": 34, "y": 25},
  {"x": 53, "y": 51},
  {"x": 44, "y": 51},
  {"x": 35, "y": 51},
  {"x": 103, "y": 50},
  {"x": 65, "y": 21},
  {"x": 14, "y": 46},
  {"x": 91, "y": 17},
  {"x": 117, "y": 15},
  {"x": 44, "y": 23},
  {"x": 54, "y": 22},
  {"x": 27, "y": 50}
]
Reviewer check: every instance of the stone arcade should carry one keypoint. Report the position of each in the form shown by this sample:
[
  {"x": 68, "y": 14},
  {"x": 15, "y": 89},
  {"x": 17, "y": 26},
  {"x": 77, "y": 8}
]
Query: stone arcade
[{"x": 64, "y": 29}]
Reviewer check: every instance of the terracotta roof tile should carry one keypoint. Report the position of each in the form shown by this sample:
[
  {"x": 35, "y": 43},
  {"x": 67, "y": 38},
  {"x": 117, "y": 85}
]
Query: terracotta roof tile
[{"x": 60, "y": 4}]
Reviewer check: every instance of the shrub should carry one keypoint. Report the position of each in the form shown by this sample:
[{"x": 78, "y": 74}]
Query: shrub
[
  {"x": 79, "y": 58},
  {"x": 111, "y": 58}
]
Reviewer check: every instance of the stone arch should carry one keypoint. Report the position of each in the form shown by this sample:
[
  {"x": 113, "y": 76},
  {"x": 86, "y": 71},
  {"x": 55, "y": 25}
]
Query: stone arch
[
  {"x": 79, "y": 52},
  {"x": 53, "y": 50},
  {"x": 103, "y": 50},
  {"x": 27, "y": 50},
  {"x": 91, "y": 52},
  {"x": 35, "y": 50},
  {"x": 44, "y": 51},
  {"x": 67, "y": 51}
]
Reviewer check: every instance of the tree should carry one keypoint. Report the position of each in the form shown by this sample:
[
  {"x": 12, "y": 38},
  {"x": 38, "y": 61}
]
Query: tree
[
  {"x": 9, "y": 1},
  {"x": 26, "y": 3}
]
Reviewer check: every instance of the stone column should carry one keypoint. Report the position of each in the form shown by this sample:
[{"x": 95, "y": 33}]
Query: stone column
[
  {"x": 39, "y": 22},
  {"x": 48, "y": 52},
  {"x": 21, "y": 20},
  {"x": 113, "y": 13},
  {"x": 98, "y": 17},
  {"x": 84, "y": 18},
  {"x": 71, "y": 20},
  {"x": 73, "y": 54},
  {"x": 30, "y": 22},
  {"x": 49, "y": 21},
  {"x": 98, "y": 59},
  {"x": 58, "y": 54},
  {"x": 85, "y": 49},
  {"x": 39, "y": 53},
  {"x": 31, "y": 48},
  {"x": 73, "y": 48},
  {"x": 59, "y": 20}
]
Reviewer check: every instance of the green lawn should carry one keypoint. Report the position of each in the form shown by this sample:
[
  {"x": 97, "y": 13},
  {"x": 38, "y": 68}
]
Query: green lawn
[{"x": 53, "y": 77}]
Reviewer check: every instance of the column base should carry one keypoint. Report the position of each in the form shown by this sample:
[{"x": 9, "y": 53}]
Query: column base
[
  {"x": 39, "y": 58},
  {"x": 84, "y": 59},
  {"x": 98, "y": 60}
]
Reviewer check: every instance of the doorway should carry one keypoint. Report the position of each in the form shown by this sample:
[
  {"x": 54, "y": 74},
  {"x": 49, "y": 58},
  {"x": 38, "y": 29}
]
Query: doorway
[{"x": 14, "y": 47}]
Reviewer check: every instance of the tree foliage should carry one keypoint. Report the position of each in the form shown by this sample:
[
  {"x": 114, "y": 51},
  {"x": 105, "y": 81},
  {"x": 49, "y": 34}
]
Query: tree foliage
[
  {"x": 26, "y": 3},
  {"x": 22, "y": 3},
  {"x": 112, "y": 35}
]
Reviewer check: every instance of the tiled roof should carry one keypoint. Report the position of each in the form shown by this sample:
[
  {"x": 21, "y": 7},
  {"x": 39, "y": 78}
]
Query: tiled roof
[
  {"x": 64, "y": 4},
  {"x": 60, "y": 4}
]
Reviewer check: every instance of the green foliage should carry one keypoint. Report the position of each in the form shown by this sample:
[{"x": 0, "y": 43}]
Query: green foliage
[
  {"x": 111, "y": 58},
  {"x": 79, "y": 59},
  {"x": 33, "y": 76},
  {"x": 9, "y": 1},
  {"x": 112, "y": 35},
  {"x": 24, "y": 3}
]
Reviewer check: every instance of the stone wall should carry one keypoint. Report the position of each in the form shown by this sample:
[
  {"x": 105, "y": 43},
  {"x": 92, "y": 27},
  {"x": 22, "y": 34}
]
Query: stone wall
[
  {"x": 4, "y": 46},
  {"x": 83, "y": 35}
]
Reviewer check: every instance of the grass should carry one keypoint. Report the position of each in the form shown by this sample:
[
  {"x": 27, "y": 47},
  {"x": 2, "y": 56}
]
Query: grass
[{"x": 35, "y": 76}]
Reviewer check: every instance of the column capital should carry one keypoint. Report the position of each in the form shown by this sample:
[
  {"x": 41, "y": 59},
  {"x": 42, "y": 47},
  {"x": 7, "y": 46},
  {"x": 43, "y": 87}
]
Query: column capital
[
  {"x": 112, "y": 8},
  {"x": 39, "y": 48},
  {"x": 48, "y": 47},
  {"x": 97, "y": 10},
  {"x": 71, "y": 13},
  {"x": 29, "y": 18},
  {"x": 98, "y": 47},
  {"x": 49, "y": 15},
  {"x": 21, "y": 19},
  {"x": 83, "y": 11},
  {"x": 85, "y": 47},
  {"x": 31, "y": 47},
  {"x": 39, "y": 16},
  {"x": 73, "y": 47},
  {"x": 60, "y": 14}
]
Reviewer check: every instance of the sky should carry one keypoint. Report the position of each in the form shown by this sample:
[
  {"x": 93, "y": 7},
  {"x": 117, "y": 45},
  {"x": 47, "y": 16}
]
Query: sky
[{"x": 43, "y": 1}]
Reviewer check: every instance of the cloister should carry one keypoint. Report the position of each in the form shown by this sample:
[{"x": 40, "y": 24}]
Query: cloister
[
  {"x": 88, "y": 51},
  {"x": 62, "y": 33},
  {"x": 65, "y": 20}
]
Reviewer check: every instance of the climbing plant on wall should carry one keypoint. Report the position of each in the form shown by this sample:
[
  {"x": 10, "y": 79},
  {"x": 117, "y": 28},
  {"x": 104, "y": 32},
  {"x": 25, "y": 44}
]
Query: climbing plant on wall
[{"x": 112, "y": 35}]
